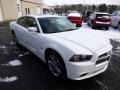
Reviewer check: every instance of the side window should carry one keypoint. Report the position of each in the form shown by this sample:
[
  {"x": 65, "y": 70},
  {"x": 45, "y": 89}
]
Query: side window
[
  {"x": 22, "y": 21},
  {"x": 31, "y": 22}
]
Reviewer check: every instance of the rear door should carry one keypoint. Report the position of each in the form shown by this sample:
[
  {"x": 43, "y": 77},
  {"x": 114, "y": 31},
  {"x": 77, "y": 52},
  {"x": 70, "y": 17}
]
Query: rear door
[
  {"x": 30, "y": 38},
  {"x": 19, "y": 30},
  {"x": 27, "y": 38}
]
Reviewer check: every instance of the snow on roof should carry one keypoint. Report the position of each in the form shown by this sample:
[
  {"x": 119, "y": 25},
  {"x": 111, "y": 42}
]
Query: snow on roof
[
  {"x": 74, "y": 14},
  {"x": 42, "y": 15},
  {"x": 101, "y": 13}
]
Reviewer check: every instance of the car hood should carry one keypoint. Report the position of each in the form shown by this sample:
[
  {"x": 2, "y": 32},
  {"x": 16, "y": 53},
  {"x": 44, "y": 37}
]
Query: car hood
[{"x": 91, "y": 40}]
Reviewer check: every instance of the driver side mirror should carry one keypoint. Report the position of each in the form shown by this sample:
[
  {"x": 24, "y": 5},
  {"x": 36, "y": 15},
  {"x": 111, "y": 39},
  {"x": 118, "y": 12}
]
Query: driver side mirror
[{"x": 32, "y": 29}]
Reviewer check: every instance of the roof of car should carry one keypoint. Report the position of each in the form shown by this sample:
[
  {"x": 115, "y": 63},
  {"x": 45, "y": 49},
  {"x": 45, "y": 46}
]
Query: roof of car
[
  {"x": 74, "y": 14},
  {"x": 100, "y": 13},
  {"x": 42, "y": 15},
  {"x": 117, "y": 11}
]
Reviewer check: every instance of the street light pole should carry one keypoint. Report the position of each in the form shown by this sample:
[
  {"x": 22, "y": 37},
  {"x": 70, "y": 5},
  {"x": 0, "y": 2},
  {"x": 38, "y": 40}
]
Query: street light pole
[{"x": 83, "y": 5}]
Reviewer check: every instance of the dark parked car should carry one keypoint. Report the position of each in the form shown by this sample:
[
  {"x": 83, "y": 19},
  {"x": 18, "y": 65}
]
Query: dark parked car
[
  {"x": 87, "y": 15},
  {"x": 98, "y": 19}
]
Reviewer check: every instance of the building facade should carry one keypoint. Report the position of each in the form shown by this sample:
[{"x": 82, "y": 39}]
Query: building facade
[{"x": 12, "y": 9}]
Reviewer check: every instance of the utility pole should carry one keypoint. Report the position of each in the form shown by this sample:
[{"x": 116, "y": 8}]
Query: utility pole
[{"x": 83, "y": 5}]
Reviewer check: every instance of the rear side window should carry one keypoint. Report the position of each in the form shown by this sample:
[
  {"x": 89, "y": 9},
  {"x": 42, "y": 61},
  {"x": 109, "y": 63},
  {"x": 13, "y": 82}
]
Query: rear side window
[
  {"x": 31, "y": 22},
  {"x": 107, "y": 16},
  {"x": 22, "y": 21}
]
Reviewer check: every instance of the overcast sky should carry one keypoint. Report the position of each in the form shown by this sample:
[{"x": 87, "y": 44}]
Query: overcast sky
[{"x": 61, "y": 2}]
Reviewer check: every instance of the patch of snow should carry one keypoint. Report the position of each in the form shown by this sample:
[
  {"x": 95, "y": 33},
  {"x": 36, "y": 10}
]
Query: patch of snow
[
  {"x": 118, "y": 48},
  {"x": 13, "y": 63},
  {"x": 2, "y": 46},
  {"x": 12, "y": 43},
  {"x": 117, "y": 51},
  {"x": 117, "y": 40},
  {"x": 21, "y": 55},
  {"x": 5, "y": 52},
  {"x": 111, "y": 33},
  {"x": 8, "y": 79},
  {"x": 104, "y": 87}
]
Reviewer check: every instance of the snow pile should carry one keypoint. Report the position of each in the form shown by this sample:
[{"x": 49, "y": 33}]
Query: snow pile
[
  {"x": 117, "y": 40},
  {"x": 8, "y": 79},
  {"x": 116, "y": 52},
  {"x": 2, "y": 46},
  {"x": 12, "y": 43},
  {"x": 111, "y": 33},
  {"x": 13, "y": 63},
  {"x": 21, "y": 55}
]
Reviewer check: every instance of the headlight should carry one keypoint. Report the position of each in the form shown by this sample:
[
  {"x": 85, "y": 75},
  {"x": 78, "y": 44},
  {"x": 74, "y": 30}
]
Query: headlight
[{"x": 80, "y": 58}]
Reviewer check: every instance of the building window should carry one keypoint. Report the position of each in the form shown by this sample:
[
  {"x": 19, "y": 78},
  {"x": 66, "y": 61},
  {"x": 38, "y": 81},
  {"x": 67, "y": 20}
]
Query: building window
[{"x": 27, "y": 11}]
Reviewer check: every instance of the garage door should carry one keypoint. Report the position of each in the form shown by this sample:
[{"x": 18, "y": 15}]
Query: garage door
[{"x": 38, "y": 10}]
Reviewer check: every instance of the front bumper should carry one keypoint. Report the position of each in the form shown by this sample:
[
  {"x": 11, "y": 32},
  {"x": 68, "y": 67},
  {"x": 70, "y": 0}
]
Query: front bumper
[{"x": 84, "y": 70}]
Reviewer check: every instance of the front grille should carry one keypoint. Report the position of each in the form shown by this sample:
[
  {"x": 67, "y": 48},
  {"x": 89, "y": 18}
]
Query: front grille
[
  {"x": 104, "y": 57},
  {"x": 103, "y": 60}
]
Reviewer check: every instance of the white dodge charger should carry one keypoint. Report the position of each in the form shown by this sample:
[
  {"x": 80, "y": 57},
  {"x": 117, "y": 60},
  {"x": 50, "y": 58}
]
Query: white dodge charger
[{"x": 68, "y": 51}]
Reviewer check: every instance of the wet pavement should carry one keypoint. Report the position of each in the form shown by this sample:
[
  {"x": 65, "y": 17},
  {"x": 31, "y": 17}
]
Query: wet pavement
[{"x": 33, "y": 74}]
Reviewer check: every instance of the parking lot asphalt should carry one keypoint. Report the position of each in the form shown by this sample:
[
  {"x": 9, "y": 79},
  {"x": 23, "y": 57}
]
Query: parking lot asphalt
[{"x": 32, "y": 74}]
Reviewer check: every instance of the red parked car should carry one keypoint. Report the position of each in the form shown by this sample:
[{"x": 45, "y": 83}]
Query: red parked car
[
  {"x": 75, "y": 18},
  {"x": 98, "y": 19}
]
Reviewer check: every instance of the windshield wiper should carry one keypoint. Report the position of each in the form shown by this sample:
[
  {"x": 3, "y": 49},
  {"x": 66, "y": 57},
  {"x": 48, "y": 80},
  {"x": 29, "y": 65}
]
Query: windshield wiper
[{"x": 69, "y": 30}]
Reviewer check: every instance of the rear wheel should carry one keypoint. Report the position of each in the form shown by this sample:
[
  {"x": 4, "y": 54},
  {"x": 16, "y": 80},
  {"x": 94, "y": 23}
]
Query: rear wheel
[
  {"x": 55, "y": 64},
  {"x": 92, "y": 26},
  {"x": 106, "y": 28},
  {"x": 15, "y": 41}
]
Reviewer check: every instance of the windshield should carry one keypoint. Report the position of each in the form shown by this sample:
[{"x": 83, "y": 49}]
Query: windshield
[
  {"x": 107, "y": 16},
  {"x": 55, "y": 24}
]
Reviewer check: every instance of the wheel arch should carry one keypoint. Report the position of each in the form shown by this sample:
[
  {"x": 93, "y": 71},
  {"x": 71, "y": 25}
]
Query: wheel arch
[
  {"x": 64, "y": 64},
  {"x": 50, "y": 49}
]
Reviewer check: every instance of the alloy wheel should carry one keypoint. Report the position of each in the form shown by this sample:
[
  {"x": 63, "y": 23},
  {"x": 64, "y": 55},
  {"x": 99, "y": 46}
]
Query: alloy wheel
[{"x": 54, "y": 65}]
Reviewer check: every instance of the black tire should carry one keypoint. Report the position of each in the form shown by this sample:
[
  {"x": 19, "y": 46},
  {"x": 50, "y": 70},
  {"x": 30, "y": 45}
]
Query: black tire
[
  {"x": 92, "y": 26},
  {"x": 106, "y": 28},
  {"x": 15, "y": 40},
  {"x": 88, "y": 24},
  {"x": 56, "y": 66}
]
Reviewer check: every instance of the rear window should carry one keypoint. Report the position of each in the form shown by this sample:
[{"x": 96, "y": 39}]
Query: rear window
[{"x": 107, "y": 16}]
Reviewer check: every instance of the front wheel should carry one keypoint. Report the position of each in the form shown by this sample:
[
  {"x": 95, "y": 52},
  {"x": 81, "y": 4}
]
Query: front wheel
[{"x": 55, "y": 64}]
